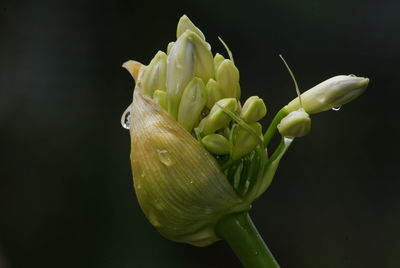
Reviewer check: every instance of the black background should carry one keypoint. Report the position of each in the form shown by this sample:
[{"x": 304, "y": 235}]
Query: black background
[{"x": 66, "y": 197}]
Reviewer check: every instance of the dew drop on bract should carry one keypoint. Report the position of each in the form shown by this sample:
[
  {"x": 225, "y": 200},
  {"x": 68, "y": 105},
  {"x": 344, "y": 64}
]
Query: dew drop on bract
[
  {"x": 336, "y": 108},
  {"x": 165, "y": 157},
  {"x": 126, "y": 118}
]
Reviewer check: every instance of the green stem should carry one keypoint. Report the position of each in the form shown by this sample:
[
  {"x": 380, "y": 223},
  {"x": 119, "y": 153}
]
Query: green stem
[
  {"x": 242, "y": 236},
  {"x": 273, "y": 126}
]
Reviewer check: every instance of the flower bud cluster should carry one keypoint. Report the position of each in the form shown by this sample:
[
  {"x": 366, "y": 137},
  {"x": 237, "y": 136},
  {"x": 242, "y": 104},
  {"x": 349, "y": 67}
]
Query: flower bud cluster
[
  {"x": 230, "y": 129},
  {"x": 202, "y": 93},
  {"x": 197, "y": 153}
]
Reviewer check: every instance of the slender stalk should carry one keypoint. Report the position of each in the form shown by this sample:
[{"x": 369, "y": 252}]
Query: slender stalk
[
  {"x": 273, "y": 126},
  {"x": 242, "y": 236}
]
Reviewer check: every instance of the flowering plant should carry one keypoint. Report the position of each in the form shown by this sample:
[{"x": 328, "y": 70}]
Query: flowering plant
[{"x": 199, "y": 157}]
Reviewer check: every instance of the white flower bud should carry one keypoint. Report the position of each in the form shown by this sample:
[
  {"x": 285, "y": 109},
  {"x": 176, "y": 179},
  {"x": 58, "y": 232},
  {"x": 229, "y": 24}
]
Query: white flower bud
[
  {"x": 186, "y": 24},
  {"x": 227, "y": 77},
  {"x": 188, "y": 57},
  {"x": 154, "y": 75},
  {"x": 253, "y": 109},
  {"x": 329, "y": 94},
  {"x": 193, "y": 100},
  {"x": 295, "y": 124}
]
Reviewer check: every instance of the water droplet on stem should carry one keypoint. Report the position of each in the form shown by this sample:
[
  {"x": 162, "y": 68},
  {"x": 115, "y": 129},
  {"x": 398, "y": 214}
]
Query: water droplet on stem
[{"x": 336, "y": 108}]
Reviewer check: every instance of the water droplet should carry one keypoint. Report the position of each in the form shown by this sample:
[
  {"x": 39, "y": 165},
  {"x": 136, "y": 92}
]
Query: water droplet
[
  {"x": 165, "y": 157},
  {"x": 288, "y": 140},
  {"x": 336, "y": 108},
  {"x": 126, "y": 118}
]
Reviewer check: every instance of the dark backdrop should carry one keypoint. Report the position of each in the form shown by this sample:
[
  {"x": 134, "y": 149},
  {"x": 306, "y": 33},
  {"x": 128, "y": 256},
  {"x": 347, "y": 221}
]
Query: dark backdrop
[{"x": 66, "y": 196}]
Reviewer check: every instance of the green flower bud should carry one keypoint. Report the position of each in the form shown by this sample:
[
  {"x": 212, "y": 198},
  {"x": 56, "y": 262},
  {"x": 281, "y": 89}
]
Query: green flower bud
[
  {"x": 217, "y": 118},
  {"x": 295, "y": 124},
  {"x": 243, "y": 140},
  {"x": 155, "y": 73},
  {"x": 227, "y": 77},
  {"x": 188, "y": 57},
  {"x": 214, "y": 93},
  {"x": 329, "y": 94},
  {"x": 160, "y": 97},
  {"x": 218, "y": 59},
  {"x": 193, "y": 100},
  {"x": 186, "y": 24},
  {"x": 253, "y": 110},
  {"x": 179, "y": 185},
  {"x": 216, "y": 144}
]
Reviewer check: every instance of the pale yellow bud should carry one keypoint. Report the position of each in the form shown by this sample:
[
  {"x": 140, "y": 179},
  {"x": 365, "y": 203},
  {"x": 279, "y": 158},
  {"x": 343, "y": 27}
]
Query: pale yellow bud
[
  {"x": 244, "y": 140},
  {"x": 216, "y": 144},
  {"x": 218, "y": 59},
  {"x": 253, "y": 109},
  {"x": 186, "y": 24},
  {"x": 214, "y": 93},
  {"x": 329, "y": 94},
  {"x": 169, "y": 47},
  {"x": 155, "y": 74},
  {"x": 295, "y": 124},
  {"x": 218, "y": 118},
  {"x": 193, "y": 100},
  {"x": 188, "y": 57},
  {"x": 227, "y": 77}
]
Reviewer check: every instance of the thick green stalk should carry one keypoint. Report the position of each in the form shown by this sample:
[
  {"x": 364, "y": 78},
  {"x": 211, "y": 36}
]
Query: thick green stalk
[
  {"x": 242, "y": 236},
  {"x": 273, "y": 126}
]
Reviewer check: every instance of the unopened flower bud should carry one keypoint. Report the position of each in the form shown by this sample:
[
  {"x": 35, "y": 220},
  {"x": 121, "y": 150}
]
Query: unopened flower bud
[
  {"x": 227, "y": 76},
  {"x": 329, "y": 94},
  {"x": 186, "y": 24},
  {"x": 160, "y": 97},
  {"x": 218, "y": 118},
  {"x": 188, "y": 57},
  {"x": 193, "y": 100},
  {"x": 245, "y": 140},
  {"x": 214, "y": 93},
  {"x": 218, "y": 59},
  {"x": 169, "y": 47},
  {"x": 253, "y": 109},
  {"x": 216, "y": 144},
  {"x": 155, "y": 74},
  {"x": 295, "y": 124}
]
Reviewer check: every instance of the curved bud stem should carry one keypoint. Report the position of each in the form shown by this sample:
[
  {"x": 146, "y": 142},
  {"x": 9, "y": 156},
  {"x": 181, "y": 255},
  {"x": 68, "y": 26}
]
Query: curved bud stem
[{"x": 242, "y": 236}]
